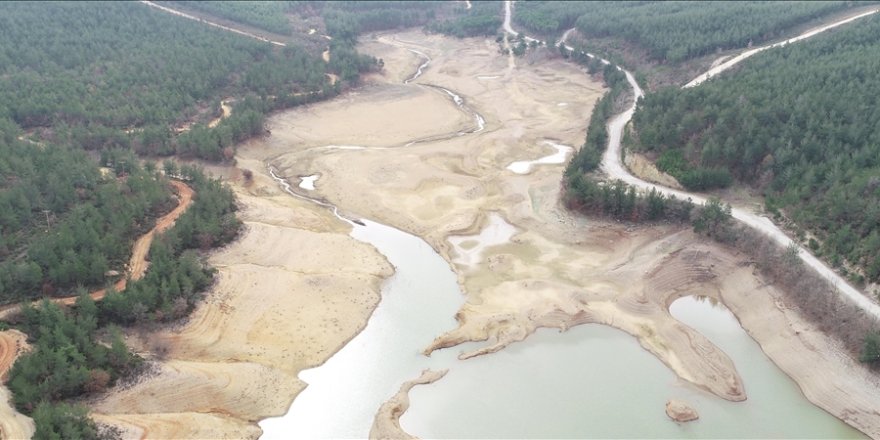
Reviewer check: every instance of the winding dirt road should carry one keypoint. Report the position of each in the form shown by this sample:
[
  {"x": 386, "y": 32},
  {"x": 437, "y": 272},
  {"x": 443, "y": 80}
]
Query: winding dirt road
[
  {"x": 138, "y": 263},
  {"x": 613, "y": 166},
  {"x": 211, "y": 23},
  {"x": 12, "y": 342}
]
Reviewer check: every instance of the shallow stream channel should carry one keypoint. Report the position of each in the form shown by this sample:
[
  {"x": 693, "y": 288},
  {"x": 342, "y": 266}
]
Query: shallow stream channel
[{"x": 591, "y": 381}]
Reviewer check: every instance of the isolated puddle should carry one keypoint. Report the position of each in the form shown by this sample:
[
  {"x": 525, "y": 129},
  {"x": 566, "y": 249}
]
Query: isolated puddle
[
  {"x": 525, "y": 166},
  {"x": 308, "y": 182},
  {"x": 469, "y": 248}
]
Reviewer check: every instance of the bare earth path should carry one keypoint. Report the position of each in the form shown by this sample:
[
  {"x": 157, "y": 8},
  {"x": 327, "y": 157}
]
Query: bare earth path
[
  {"x": 138, "y": 263},
  {"x": 12, "y": 342},
  {"x": 613, "y": 166},
  {"x": 295, "y": 287},
  {"x": 211, "y": 23},
  {"x": 852, "y": 394}
]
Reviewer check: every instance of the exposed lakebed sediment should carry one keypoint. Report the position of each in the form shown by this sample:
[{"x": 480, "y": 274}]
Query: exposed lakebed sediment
[
  {"x": 300, "y": 283},
  {"x": 555, "y": 270}
]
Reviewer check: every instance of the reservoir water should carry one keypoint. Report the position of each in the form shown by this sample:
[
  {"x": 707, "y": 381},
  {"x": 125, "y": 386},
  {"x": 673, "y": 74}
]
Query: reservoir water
[
  {"x": 594, "y": 381},
  {"x": 418, "y": 303}
]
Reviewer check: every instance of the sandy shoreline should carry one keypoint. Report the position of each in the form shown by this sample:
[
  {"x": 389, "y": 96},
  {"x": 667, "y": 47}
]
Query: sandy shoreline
[
  {"x": 290, "y": 292},
  {"x": 295, "y": 287},
  {"x": 456, "y": 184}
]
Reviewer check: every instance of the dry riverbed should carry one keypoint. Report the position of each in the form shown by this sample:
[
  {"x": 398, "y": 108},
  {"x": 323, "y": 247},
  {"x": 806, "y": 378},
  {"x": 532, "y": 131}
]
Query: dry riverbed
[{"x": 295, "y": 286}]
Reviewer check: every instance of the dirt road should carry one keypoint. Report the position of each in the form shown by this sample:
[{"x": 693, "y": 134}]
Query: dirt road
[
  {"x": 612, "y": 163},
  {"x": 138, "y": 263},
  {"x": 211, "y": 23}
]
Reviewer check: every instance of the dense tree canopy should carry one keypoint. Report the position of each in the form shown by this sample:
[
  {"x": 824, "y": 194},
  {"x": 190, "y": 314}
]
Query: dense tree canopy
[
  {"x": 674, "y": 31},
  {"x": 176, "y": 277},
  {"x": 267, "y": 15},
  {"x": 67, "y": 358},
  {"x": 482, "y": 19},
  {"x": 800, "y": 123},
  {"x": 63, "y": 222},
  {"x": 66, "y": 70}
]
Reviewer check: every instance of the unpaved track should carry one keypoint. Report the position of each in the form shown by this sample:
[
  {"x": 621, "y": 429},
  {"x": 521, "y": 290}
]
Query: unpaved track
[
  {"x": 613, "y": 166},
  {"x": 225, "y": 112},
  {"x": 295, "y": 287},
  {"x": 138, "y": 263},
  {"x": 612, "y": 163},
  {"x": 724, "y": 65},
  {"x": 211, "y": 23},
  {"x": 12, "y": 342},
  {"x": 796, "y": 346}
]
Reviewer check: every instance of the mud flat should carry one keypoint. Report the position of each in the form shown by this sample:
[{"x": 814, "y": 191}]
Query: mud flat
[
  {"x": 290, "y": 292},
  {"x": 555, "y": 273},
  {"x": 558, "y": 271},
  {"x": 295, "y": 287}
]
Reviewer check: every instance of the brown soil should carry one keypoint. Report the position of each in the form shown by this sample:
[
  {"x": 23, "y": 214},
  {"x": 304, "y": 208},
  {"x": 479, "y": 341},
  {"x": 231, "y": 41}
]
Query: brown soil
[
  {"x": 295, "y": 287},
  {"x": 13, "y": 342},
  {"x": 289, "y": 293},
  {"x": 387, "y": 422}
]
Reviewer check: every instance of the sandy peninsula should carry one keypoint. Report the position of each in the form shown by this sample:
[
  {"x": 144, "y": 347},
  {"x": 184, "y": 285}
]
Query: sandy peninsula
[{"x": 294, "y": 288}]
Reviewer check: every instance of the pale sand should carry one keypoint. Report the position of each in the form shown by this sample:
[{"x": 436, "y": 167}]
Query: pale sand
[
  {"x": 290, "y": 292},
  {"x": 645, "y": 170},
  {"x": 270, "y": 309},
  {"x": 387, "y": 422},
  {"x": 13, "y": 424},
  {"x": 378, "y": 115},
  {"x": 544, "y": 277},
  {"x": 823, "y": 370},
  {"x": 558, "y": 271},
  {"x": 179, "y": 426}
]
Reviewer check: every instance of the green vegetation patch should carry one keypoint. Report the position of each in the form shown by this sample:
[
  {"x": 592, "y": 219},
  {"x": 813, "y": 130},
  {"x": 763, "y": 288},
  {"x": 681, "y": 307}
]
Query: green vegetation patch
[
  {"x": 122, "y": 74},
  {"x": 798, "y": 122},
  {"x": 266, "y": 15},
  {"x": 484, "y": 18},
  {"x": 64, "y": 223},
  {"x": 674, "y": 31}
]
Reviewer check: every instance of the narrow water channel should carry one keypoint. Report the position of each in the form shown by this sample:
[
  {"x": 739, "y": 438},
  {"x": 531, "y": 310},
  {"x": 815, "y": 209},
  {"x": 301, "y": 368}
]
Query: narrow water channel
[
  {"x": 589, "y": 382},
  {"x": 418, "y": 303}
]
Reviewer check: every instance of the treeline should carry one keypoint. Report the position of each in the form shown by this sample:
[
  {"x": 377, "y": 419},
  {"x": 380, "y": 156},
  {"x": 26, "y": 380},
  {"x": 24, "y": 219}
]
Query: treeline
[
  {"x": 80, "y": 351},
  {"x": 551, "y": 18},
  {"x": 693, "y": 177},
  {"x": 176, "y": 277},
  {"x": 618, "y": 200},
  {"x": 63, "y": 222},
  {"x": 674, "y": 31},
  {"x": 345, "y": 21},
  {"x": 126, "y": 85},
  {"x": 798, "y": 123},
  {"x": 67, "y": 359},
  {"x": 482, "y": 19},
  {"x": 268, "y": 15},
  {"x": 589, "y": 156}
]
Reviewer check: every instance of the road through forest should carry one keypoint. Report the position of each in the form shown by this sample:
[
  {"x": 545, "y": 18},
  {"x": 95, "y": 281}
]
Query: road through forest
[
  {"x": 613, "y": 166},
  {"x": 137, "y": 266}
]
